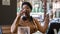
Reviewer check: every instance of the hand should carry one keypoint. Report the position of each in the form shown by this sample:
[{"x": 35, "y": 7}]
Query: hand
[
  {"x": 22, "y": 12},
  {"x": 47, "y": 18}
]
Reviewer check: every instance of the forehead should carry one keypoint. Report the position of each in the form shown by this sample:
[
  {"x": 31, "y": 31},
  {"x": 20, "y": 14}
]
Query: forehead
[{"x": 25, "y": 6}]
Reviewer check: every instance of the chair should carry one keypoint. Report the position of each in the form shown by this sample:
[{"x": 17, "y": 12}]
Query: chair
[{"x": 52, "y": 27}]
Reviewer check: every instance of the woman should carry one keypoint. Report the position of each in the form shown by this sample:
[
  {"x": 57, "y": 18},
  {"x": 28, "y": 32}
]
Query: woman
[{"x": 28, "y": 20}]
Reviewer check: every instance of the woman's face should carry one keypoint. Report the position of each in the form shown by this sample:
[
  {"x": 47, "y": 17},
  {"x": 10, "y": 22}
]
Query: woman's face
[{"x": 26, "y": 9}]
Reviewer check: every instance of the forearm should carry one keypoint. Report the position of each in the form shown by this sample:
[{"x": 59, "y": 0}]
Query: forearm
[
  {"x": 46, "y": 23},
  {"x": 45, "y": 26},
  {"x": 15, "y": 24}
]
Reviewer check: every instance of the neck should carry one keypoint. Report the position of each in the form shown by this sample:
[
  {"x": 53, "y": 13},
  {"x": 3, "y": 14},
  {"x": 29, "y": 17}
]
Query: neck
[{"x": 28, "y": 16}]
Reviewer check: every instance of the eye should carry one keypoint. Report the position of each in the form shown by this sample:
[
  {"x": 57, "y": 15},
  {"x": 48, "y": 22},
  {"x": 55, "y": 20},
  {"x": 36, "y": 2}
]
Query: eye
[{"x": 27, "y": 8}]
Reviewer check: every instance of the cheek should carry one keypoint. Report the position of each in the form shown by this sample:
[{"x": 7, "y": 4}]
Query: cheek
[{"x": 29, "y": 10}]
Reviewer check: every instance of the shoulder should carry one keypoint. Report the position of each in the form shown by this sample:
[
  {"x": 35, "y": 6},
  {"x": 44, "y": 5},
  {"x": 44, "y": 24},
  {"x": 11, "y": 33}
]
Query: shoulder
[{"x": 35, "y": 19}]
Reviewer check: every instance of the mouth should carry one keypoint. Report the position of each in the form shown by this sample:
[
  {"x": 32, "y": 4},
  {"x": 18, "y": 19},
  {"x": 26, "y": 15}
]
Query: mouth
[{"x": 26, "y": 13}]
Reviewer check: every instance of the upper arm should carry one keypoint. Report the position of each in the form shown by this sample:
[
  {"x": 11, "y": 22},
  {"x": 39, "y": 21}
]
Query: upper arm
[{"x": 40, "y": 28}]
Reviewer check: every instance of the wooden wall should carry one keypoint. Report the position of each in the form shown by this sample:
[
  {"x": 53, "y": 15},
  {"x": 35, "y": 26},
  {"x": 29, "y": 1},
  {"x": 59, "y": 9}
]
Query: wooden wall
[{"x": 8, "y": 13}]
